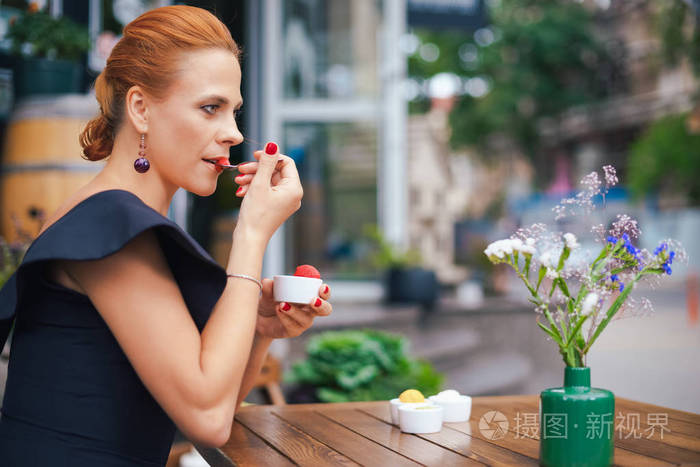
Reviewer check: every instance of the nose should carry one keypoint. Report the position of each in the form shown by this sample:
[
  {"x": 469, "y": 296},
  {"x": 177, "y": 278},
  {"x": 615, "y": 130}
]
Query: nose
[{"x": 231, "y": 135}]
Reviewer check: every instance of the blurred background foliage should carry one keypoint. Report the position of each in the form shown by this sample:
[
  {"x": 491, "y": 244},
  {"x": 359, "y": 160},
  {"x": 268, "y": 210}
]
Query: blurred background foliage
[
  {"x": 666, "y": 160},
  {"x": 677, "y": 27},
  {"x": 536, "y": 59},
  {"x": 362, "y": 365}
]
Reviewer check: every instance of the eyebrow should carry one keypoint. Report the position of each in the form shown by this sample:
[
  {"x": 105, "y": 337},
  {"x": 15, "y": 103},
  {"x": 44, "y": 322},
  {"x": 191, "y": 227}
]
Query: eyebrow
[{"x": 222, "y": 100}]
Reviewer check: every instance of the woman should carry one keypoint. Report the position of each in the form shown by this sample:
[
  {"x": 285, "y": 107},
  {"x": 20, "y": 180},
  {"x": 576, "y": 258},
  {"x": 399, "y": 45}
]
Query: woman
[{"x": 124, "y": 326}]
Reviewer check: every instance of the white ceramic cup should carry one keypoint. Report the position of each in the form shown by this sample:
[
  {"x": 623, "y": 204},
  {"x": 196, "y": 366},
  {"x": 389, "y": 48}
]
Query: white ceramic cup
[
  {"x": 396, "y": 403},
  {"x": 423, "y": 418},
  {"x": 457, "y": 410},
  {"x": 296, "y": 289}
]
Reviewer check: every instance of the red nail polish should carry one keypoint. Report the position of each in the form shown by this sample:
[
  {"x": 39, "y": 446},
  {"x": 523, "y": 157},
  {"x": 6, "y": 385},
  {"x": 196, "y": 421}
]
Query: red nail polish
[
  {"x": 271, "y": 148},
  {"x": 318, "y": 302},
  {"x": 325, "y": 290},
  {"x": 286, "y": 307},
  {"x": 240, "y": 188}
]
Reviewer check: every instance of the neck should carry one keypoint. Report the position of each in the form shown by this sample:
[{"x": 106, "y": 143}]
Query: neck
[{"x": 119, "y": 173}]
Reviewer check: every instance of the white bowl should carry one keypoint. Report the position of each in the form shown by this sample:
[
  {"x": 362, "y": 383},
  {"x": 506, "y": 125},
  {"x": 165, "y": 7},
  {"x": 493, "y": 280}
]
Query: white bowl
[
  {"x": 396, "y": 403},
  {"x": 423, "y": 418},
  {"x": 457, "y": 410},
  {"x": 296, "y": 289}
]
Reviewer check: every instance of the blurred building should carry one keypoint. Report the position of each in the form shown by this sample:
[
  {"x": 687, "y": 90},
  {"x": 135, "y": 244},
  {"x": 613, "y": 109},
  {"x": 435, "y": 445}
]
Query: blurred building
[
  {"x": 601, "y": 133},
  {"x": 439, "y": 190}
]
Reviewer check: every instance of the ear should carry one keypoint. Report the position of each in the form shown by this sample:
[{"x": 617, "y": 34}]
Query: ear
[{"x": 137, "y": 109}]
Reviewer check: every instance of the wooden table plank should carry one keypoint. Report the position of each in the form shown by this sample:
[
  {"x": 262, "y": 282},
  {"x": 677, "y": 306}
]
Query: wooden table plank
[
  {"x": 361, "y": 432},
  {"x": 461, "y": 442},
  {"x": 674, "y": 448},
  {"x": 247, "y": 449},
  {"x": 622, "y": 457},
  {"x": 672, "y": 413},
  {"x": 357, "y": 447},
  {"x": 295, "y": 444},
  {"x": 409, "y": 445},
  {"x": 675, "y": 424}
]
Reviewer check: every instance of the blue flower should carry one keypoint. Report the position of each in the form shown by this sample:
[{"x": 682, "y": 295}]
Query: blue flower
[
  {"x": 611, "y": 239},
  {"x": 667, "y": 268},
  {"x": 614, "y": 278},
  {"x": 622, "y": 286},
  {"x": 625, "y": 237},
  {"x": 659, "y": 249},
  {"x": 670, "y": 257}
]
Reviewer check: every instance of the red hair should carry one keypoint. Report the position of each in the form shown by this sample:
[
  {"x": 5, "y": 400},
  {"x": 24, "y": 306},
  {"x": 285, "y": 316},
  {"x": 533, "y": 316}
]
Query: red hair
[{"x": 146, "y": 56}]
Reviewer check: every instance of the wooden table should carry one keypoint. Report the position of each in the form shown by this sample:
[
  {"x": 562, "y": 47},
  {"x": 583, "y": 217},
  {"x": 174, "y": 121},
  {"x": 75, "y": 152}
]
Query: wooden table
[{"x": 361, "y": 433}]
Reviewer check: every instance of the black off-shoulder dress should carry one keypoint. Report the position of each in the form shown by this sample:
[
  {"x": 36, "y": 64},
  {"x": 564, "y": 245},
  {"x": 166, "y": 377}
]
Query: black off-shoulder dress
[{"x": 72, "y": 397}]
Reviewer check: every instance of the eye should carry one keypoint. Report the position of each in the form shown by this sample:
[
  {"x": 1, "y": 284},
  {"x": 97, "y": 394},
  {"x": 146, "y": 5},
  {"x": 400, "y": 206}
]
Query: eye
[{"x": 210, "y": 105}]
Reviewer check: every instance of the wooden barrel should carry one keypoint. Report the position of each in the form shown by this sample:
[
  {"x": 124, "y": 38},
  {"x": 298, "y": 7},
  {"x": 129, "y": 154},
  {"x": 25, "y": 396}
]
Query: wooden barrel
[{"x": 42, "y": 164}]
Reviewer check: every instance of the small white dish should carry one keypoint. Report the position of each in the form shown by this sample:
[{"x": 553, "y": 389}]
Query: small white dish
[
  {"x": 456, "y": 410},
  {"x": 396, "y": 403},
  {"x": 296, "y": 289},
  {"x": 422, "y": 418}
]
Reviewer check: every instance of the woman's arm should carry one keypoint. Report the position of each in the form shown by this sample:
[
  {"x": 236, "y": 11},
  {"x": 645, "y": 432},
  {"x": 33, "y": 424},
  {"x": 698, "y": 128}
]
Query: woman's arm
[
  {"x": 195, "y": 378},
  {"x": 255, "y": 363}
]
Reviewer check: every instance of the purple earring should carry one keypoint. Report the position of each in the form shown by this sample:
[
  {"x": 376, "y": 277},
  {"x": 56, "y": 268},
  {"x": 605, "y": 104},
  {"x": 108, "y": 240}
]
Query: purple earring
[{"x": 141, "y": 165}]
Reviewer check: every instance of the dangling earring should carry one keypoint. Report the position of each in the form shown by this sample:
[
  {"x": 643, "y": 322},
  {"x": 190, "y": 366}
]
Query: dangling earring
[{"x": 141, "y": 165}]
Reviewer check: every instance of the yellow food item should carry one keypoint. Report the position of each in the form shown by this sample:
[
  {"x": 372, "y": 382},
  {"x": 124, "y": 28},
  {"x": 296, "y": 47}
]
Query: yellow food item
[
  {"x": 411, "y": 395},
  {"x": 426, "y": 408}
]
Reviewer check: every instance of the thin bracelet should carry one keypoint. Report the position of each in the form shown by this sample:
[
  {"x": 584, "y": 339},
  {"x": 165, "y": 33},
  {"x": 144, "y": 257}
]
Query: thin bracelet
[{"x": 250, "y": 278}]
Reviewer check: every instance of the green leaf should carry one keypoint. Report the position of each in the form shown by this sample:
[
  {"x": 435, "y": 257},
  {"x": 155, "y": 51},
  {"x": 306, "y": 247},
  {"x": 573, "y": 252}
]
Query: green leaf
[
  {"x": 526, "y": 270},
  {"x": 611, "y": 313},
  {"x": 551, "y": 333},
  {"x": 577, "y": 328},
  {"x": 543, "y": 271}
]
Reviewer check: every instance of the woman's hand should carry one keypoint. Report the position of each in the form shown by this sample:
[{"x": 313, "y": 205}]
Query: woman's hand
[
  {"x": 271, "y": 191},
  {"x": 279, "y": 320}
]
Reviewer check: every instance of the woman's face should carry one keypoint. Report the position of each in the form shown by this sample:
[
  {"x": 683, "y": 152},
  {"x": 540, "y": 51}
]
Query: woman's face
[{"x": 196, "y": 121}]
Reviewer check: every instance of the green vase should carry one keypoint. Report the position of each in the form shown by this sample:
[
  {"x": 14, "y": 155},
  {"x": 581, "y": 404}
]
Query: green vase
[{"x": 577, "y": 423}]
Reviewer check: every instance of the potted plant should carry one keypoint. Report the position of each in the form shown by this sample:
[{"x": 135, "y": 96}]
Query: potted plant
[
  {"x": 405, "y": 280},
  {"x": 359, "y": 365},
  {"x": 47, "y": 53},
  {"x": 578, "y": 296}
]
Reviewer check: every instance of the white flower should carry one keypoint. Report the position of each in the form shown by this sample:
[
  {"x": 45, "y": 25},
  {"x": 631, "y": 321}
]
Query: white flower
[
  {"x": 500, "y": 248},
  {"x": 571, "y": 242},
  {"x": 552, "y": 274},
  {"x": 547, "y": 259},
  {"x": 528, "y": 247},
  {"x": 589, "y": 302}
]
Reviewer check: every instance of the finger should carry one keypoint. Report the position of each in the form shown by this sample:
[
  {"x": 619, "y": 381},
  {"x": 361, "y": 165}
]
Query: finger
[
  {"x": 324, "y": 292},
  {"x": 292, "y": 328},
  {"x": 321, "y": 307},
  {"x": 243, "y": 179},
  {"x": 252, "y": 167},
  {"x": 287, "y": 170},
  {"x": 242, "y": 190},
  {"x": 249, "y": 167},
  {"x": 267, "y": 286},
  {"x": 266, "y": 166},
  {"x": 286, "y": 311}
]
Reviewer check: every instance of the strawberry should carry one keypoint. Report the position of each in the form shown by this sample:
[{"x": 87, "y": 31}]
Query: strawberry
[{"x": 306, "y": 270}]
